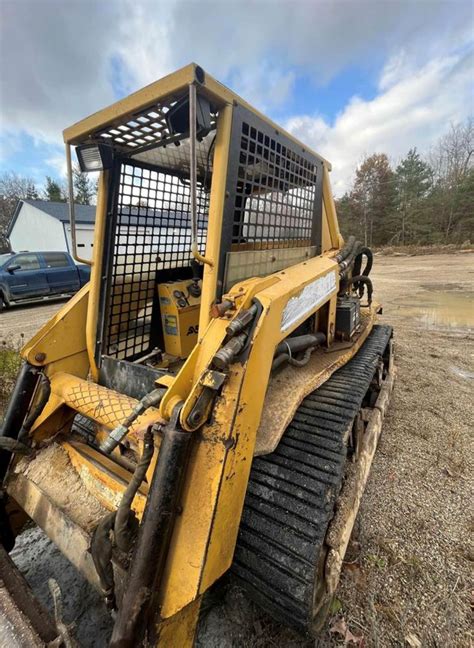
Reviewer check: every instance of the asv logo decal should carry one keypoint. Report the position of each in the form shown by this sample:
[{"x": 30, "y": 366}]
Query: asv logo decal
[{"x": 192, "y": 330}]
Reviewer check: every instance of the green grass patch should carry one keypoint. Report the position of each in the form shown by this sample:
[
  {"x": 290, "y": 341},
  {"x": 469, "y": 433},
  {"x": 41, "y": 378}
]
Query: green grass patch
[{"x": 10, "y": 362}]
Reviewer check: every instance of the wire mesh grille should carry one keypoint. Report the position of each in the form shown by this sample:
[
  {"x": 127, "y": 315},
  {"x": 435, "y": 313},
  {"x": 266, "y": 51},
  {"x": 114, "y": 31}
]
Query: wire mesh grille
[
  {"x": 152, "y": 233},
  {"x": 147, "y": 138},
  {"x": 274, "y": 195}
]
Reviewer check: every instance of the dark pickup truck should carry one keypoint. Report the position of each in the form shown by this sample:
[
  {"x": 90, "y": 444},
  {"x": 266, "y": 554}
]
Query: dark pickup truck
[{"x": 31, "y": 275}]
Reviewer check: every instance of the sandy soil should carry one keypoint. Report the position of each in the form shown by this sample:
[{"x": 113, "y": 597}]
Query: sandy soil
[{"x": 408, "y": 576}]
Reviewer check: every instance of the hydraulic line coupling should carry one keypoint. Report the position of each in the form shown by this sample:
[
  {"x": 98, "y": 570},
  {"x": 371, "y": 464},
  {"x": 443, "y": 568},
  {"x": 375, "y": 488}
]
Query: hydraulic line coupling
[{"x": 120, "y": 432}]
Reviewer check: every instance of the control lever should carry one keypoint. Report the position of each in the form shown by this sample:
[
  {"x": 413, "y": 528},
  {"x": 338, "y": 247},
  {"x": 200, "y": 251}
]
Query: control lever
[{"x": 194, "y": 289}]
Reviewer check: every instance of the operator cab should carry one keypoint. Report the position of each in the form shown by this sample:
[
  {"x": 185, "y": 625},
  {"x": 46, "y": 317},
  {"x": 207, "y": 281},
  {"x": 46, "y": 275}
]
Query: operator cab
[{"x": 268, "y": 214}]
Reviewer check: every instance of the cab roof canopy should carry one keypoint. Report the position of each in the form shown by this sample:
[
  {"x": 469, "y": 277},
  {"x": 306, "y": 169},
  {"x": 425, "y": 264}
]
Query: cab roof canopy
[{"x": 136, "y": 126}]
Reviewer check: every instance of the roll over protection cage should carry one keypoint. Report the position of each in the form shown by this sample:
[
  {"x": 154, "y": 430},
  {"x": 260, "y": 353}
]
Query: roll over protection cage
[{"x": 272, "y": 203}]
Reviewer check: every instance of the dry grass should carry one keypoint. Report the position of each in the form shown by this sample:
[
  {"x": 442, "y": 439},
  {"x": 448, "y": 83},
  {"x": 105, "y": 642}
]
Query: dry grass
[{"x": 421, "y": 250}]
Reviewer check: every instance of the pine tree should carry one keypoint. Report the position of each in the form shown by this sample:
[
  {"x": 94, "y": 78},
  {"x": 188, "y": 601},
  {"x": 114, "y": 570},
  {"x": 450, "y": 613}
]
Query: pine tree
[
  {"x": 413, "y": 182},
  {"x": 83, "y": 187},
  {"x": 31, "y": 191},
  {"x": 52, "y": 191}
]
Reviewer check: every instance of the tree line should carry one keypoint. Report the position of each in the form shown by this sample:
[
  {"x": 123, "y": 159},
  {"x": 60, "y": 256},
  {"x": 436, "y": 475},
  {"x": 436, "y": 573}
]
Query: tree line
[
  {"x": 423, "y": 200},
  {"x": 14, "y": 187}
]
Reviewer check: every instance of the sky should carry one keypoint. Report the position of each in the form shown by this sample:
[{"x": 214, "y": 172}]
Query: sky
[{"x": 347, "y": 77}]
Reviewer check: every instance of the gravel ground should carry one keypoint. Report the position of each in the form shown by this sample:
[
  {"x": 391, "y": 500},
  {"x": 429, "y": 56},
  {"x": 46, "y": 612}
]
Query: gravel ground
[
  {"x": 20, "y": 322},
  {"x": 408, "y": 578}
]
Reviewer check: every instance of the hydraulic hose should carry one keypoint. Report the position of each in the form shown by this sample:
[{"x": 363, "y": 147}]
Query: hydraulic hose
[
  {"x": 123, "y": 526},
  {"x": 148, "y": 562},
  {"x": 365, "y": 251},
  {"x": 15, "y": 414},
  {"x": 285, "y": 351},
  {"x": 44, "y": 390},
  {"x": 101, "y": 552},
  {"x": 120, "y": 432},
  {"x": 121, "y": 523},
  {"x": 346, "y": 250},
  {"x": 348, "y": 261},
  {"x": 360, "y": 281}
]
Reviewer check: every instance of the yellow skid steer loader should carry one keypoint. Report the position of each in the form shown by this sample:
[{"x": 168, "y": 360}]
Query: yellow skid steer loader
[{"x": 213, "y": 398}]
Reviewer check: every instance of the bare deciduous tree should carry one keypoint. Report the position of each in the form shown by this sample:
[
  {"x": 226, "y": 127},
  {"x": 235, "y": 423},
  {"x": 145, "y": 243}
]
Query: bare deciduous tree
[{"x": 13, "y": 187}]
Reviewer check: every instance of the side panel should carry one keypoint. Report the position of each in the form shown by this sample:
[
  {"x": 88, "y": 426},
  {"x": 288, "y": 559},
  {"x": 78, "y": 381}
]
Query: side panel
[
  {"x": 204, "y": 537},
  {"x": 29, "y": 280},
  {"x": 273, "y": 201}
]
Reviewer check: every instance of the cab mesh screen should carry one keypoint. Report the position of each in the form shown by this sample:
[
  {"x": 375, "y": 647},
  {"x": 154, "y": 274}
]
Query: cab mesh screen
[
  {"x": 151, "y": 234},
  {"x": 274, "y": 193}
]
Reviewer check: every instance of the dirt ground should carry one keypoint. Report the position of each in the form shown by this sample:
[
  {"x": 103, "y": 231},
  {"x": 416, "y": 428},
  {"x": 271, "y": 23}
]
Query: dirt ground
[
  {"x": 20, "y": 322},
  {"x": 408, "y": 576}
]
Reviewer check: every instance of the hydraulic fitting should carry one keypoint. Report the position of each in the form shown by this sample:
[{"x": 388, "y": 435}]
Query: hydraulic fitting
[
  {"x": 226, "y": 355},
  {"x": 241, "y": 321},
  {"x": 120, "y": 432}
]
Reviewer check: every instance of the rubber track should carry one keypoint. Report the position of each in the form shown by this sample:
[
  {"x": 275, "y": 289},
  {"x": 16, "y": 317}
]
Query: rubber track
[{"x": 292, "y": 492}]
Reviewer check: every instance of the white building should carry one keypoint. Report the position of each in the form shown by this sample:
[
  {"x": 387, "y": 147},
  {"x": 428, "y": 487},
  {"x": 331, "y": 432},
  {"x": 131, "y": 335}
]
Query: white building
[{"x": 40, "y": 225}]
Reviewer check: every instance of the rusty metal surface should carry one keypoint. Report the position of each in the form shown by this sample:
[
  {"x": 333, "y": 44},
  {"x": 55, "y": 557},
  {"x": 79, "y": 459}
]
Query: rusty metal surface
[
  {"x": 290, "y": 385},
  {"x": 102, "y": 477}
]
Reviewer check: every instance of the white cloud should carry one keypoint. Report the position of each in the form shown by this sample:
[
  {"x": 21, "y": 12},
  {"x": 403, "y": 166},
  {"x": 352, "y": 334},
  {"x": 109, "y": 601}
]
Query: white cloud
[
  {"x": 60, "y": 61},
  {"x": 58, "y": 164},
  {"x": 264, "y": 86},
  {"x": 54, "y": 63},
  {"x": 413, "y": 109},
  {"x": 396, "y": 69}
]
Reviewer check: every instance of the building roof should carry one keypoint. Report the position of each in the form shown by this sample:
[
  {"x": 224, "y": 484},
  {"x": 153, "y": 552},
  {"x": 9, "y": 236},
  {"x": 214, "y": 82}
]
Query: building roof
[
  {"x": 58, "y": 210},
  {"x": 130, "y": 215}
]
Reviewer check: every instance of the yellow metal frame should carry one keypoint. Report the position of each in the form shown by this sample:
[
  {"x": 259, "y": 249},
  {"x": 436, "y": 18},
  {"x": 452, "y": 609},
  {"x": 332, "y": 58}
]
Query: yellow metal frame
[
  {"x": 172, "y": 84},
  {"x": 204, "y": 535},
  {"x": 124, "y": 110}
]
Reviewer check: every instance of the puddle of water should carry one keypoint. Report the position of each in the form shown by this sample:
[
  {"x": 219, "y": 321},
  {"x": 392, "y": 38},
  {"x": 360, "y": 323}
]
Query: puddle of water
[
  {"x": 462, "y": 373},
  {"x": 440, "y": 309}
]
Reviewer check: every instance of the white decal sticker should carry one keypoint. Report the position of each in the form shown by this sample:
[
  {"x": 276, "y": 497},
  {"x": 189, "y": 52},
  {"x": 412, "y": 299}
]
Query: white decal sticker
[{"x": 311, "y": 295}]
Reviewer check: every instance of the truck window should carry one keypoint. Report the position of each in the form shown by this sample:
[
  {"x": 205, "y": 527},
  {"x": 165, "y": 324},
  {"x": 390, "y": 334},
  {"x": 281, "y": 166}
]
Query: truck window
[
  {"x": 26, "y": 262},
  {"x": 56, "y": 260}
]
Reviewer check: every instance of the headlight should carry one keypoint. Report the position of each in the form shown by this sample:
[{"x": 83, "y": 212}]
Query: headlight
[
  {"x": 94, "y": 157},
  {"x": 177, "y": 118}
]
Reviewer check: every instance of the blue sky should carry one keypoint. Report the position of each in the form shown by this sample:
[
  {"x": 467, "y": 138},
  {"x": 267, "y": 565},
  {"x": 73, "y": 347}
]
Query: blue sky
[{"x": 348, "y": 77}]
